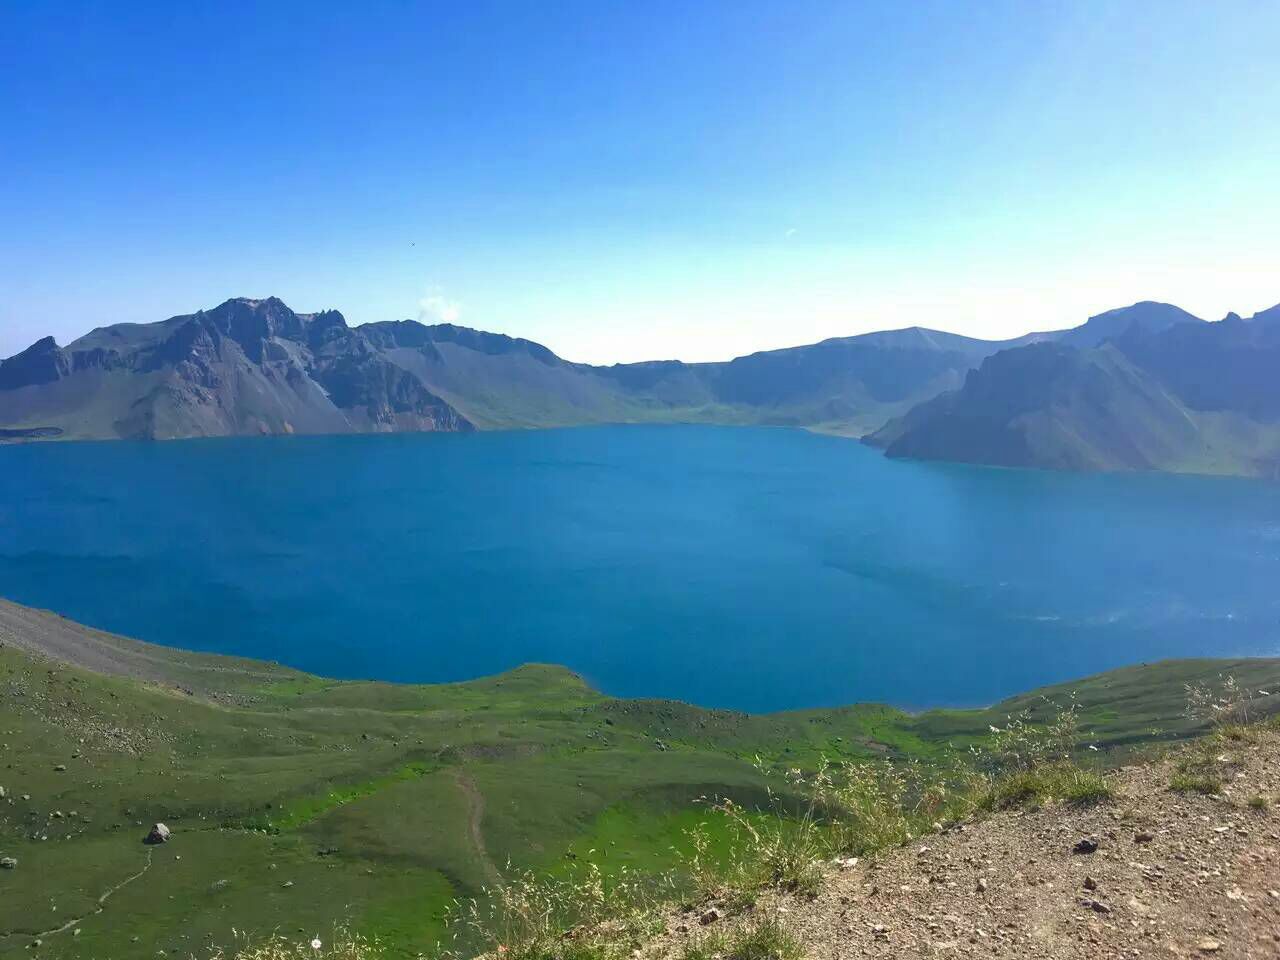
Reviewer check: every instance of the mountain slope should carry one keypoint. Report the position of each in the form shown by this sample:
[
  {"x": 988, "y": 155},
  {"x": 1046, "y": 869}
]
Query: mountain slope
[
  {"x": 1176, "y": 873},
  {"x": 1163, "y": 393},
  {"x": 245, "y": 367},
  {"x": 297, "y": 801},
  {"x": 1145, "y": 317},
  {"x": 255, "y": 366}
]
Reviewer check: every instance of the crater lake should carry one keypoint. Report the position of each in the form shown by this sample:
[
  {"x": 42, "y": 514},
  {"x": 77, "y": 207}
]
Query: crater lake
[{"x": 757, "y": 569}]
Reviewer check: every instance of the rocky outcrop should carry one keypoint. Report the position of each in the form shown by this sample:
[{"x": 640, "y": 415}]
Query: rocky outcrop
[
  {"x": 42, "y": 362},
  {"x": 246, "y": 367}
]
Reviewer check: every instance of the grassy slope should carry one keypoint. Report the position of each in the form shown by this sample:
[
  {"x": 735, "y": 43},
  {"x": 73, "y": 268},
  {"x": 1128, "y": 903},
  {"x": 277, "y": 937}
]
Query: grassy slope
[{"x": 378, "y": 803}]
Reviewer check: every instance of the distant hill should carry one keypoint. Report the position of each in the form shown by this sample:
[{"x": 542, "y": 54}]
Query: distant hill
[
  {"x": 257, "y": 367},
  {"x": 1146, "y": 388}
]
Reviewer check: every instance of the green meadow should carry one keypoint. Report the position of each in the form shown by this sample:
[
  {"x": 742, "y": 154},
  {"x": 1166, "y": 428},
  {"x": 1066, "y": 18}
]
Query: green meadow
[{"x": 297, "y": 803}]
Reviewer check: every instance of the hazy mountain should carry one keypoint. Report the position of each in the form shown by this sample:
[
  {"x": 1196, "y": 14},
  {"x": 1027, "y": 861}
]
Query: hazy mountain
[
  {"x": 1141, "y": 318},
  {"x": 255, "y": 366},
  {"x": 1161, "y": 390}
]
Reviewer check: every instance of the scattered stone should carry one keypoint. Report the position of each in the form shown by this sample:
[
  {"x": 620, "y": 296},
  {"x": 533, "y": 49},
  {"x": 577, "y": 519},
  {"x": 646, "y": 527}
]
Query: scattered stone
[
  {"x": 159, "y": 834},
  {"x": 1209, "y": 945},
  {"x": 8, "y": 863},
  {"x": 1143, "y": 836},
  {"x": 1097, "y": 906},
  {"x": 981, "y": 885},
  {"x": 1086, "y": 845},
  {"x": 709, "y": 917},
  {"x": 60, "y": 768},
  {"x": 1090, "y": 883}
]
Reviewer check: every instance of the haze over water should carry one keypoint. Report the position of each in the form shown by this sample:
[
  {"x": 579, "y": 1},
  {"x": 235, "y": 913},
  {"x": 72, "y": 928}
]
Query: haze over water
[{"x": 750, "y": 568}]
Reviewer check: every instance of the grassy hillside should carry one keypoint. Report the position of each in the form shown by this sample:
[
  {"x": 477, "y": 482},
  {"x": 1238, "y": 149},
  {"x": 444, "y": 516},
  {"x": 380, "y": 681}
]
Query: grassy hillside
[{"x": 297, "y": 801}]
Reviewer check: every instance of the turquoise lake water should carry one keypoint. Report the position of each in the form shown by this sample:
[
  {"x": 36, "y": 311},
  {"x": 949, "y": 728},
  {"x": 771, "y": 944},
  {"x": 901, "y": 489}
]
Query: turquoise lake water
[{"x": 750, "y": 568}]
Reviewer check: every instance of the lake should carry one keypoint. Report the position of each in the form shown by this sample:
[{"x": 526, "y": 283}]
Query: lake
[{"x": 760, "y": 569}]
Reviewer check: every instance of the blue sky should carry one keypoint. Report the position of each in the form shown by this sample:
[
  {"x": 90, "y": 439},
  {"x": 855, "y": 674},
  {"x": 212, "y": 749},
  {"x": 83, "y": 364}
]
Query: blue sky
[{"x": 639, "y": 180}]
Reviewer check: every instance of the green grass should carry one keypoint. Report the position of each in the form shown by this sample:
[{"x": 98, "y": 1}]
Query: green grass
[
  {"x": 758, "y": 938},
  {"x": 299, "y": 802},
  {"x": 1057, "y": 782},
  {"x": 1183, "y": 782},
  {"x": 709, "y": 946},
  {"x": 763, "y": 938}
]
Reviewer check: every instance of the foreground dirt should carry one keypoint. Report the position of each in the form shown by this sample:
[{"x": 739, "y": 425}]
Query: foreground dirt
[{"x": 1173, "y": 875}]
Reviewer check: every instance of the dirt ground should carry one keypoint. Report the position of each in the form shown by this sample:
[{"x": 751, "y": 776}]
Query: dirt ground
[{"x": 1173, "y": 875}]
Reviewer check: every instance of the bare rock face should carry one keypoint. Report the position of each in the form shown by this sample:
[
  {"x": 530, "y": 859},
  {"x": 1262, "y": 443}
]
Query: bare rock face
[
  {"x": 244, "y": 368},
  {"x": 159, "y": 834}
]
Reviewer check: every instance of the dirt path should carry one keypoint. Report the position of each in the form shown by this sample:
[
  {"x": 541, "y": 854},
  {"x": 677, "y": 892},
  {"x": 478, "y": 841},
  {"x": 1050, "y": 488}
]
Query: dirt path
[
  {"x": 475, "y": 814},
  {"x": 1175, "y": 875},
  {"x": 101, "y": 905}
]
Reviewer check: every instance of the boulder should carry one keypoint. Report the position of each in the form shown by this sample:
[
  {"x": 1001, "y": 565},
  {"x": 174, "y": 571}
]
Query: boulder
[
  {"x": 159, "y": 834},
  {"x": 8, "y": 863}
]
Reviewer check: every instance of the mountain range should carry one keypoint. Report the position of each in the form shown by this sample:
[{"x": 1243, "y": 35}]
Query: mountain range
[
  {"x": 1170, "y": 392},
  {"x": 1144, "y": 387}
]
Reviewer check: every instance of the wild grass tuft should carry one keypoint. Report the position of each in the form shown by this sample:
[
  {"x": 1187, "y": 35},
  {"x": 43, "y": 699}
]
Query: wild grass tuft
[
  {"x": 340, "y": 945},
  {"x": 1064, "y": 783},
  {"x": 1028, "y": 763},
  {"x": 763, "y": 938},
  {"x": 709, "y": 946},
  {"x": 1183, "y": 782},
  {"x": 583, "y": 916}
]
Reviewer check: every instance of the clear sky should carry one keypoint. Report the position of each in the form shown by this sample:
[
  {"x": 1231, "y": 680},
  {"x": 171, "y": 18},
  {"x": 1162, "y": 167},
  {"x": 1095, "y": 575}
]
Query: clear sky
[{"x": 628, "y": 181}]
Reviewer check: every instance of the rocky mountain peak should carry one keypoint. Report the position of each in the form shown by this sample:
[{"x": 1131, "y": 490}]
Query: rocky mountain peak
[{"x": 42, "y": 362}]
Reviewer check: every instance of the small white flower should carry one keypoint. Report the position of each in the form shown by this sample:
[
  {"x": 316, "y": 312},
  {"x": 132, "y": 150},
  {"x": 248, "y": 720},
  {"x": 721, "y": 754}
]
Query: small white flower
[{"x": 315, "y": 944}]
